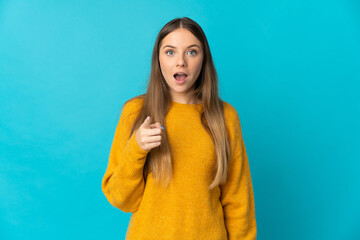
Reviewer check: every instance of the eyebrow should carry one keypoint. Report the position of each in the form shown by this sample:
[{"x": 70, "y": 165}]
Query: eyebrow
[{"x": 194, "y": 45}]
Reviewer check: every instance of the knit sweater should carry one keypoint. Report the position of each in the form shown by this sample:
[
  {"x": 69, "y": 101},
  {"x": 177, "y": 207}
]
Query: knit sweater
[{"x": 186, "y": 210}]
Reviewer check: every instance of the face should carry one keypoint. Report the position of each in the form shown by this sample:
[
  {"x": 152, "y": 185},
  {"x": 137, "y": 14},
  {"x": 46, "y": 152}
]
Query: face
[{"x": 181, "y": 52}]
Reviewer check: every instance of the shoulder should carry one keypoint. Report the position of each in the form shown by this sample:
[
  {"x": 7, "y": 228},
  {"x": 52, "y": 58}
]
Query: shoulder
[
  {"x": 232, "y": 121},
  {"x": 133, "y": 105},
  {"x": 230, "y": 113}
]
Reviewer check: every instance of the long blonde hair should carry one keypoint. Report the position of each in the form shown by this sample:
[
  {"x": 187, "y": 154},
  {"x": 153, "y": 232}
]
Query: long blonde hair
[{"x": 157, "y": 102}]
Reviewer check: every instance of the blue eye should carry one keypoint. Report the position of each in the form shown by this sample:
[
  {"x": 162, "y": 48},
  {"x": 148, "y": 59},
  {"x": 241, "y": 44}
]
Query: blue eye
[
  {"x": 193, "y": 51},
  {"x": 168, "y": 51}
]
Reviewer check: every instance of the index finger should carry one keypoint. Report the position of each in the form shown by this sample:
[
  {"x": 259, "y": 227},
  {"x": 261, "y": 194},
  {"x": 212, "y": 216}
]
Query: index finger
[{"x": 153, "y": 131}]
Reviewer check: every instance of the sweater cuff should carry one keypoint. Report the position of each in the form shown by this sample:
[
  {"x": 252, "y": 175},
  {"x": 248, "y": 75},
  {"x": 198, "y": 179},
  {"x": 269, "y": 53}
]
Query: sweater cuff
[{"x": 136, "y": 150}]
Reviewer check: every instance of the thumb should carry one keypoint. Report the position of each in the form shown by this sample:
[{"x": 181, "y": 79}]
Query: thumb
[{"x": 146, "y": 123}]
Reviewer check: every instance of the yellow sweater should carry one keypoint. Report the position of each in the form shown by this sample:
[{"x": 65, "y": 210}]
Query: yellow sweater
[{"x": 187, "y": 210}]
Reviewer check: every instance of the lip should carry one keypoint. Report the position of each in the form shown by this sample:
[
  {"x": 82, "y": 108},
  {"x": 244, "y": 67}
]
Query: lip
[
  {"x": 182, "y": 81},
  {"x": 181, "y": 72}
]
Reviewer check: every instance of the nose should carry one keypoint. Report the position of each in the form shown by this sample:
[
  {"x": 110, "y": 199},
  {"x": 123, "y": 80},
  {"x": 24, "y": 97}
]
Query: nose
[{"x": 181, "y": 61}]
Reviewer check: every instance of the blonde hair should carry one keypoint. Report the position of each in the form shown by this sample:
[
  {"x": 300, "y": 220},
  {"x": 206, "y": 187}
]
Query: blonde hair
[{"x": 157, "y": 102}]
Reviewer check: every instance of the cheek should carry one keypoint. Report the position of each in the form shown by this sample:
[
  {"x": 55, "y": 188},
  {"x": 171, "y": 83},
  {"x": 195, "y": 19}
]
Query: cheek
[
  {"x": 160, "y": 63},
  {"x": 164, "y": 65},
  {"x": 165, "y": 71},
  {"x": 198, "y": 65}
]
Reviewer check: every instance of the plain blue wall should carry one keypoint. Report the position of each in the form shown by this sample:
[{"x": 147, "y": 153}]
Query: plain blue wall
[{"x": 290, "y": 68}]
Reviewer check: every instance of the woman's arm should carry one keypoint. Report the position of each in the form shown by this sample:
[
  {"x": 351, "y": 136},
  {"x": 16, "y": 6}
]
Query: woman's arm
[
  {"x": 123, "y": 183},
  {"x": 237, "y": 197}
]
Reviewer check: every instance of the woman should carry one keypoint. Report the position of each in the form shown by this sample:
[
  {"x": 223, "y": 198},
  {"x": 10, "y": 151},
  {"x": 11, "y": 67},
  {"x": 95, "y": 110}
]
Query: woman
[{"x": 186, "y": 175}]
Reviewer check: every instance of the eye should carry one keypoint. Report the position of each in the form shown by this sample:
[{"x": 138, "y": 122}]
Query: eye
[
  {"x": 168, "y": 51},
  {"x": 193, "y": 51}
]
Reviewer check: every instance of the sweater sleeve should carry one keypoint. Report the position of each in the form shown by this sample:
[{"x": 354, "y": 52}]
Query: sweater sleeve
[
  {"x": 123, "y": 184},
  {"x": 237, "y": 196}
]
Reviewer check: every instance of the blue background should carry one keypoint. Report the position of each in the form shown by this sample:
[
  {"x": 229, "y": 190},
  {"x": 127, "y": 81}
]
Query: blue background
[{"x": 290, "y": 68}]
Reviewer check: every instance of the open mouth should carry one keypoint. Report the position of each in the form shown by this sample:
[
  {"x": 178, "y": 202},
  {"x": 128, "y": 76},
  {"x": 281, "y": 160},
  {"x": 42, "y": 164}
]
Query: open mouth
[{"x": 180, "y": 77}]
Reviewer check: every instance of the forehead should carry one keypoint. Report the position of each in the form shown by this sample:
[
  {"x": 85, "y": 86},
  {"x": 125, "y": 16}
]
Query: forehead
[{"x": 180, "y": 38}]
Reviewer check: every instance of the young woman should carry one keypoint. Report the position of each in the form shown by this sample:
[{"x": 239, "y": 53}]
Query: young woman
[{"x": 178, "y": 160}]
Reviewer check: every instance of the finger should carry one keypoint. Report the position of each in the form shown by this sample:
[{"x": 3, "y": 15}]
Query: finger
[
  {"x": 152, "y": 139},
  {"x": 152, "y": 131},
  {"x": 146, "y": 123},
  {"x": 155, "y": 125}
]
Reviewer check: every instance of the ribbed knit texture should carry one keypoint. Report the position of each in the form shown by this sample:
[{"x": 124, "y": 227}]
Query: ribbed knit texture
[{"x": 187, "y": 210}]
